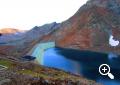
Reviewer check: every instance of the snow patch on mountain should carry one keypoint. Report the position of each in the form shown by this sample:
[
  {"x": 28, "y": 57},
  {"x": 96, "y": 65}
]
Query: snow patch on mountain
[{"x": 113, "y": 42}]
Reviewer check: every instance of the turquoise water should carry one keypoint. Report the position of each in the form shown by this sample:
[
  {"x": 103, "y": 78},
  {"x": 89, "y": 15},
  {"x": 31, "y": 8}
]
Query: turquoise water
[
  {"x": 85, "y": 63},
  {"x": 38, "y": 50}
]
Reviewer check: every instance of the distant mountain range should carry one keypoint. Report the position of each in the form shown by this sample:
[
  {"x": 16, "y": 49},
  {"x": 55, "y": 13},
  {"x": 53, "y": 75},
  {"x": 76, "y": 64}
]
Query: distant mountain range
[
  {"x": 10, "y": 34},
  {"x": 89, "y": 28},
  {"x": 40, "y": 31},
  {"x": 10, "y": 31}
]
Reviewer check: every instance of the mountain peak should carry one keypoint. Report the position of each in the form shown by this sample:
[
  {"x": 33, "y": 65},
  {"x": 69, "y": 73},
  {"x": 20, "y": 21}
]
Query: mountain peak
[
  {"x": 10, "y": 31},
  {"x": 90, "y": 27},
  {"x": 101, "y": 2},
  {"x": 112, "y": 5}
]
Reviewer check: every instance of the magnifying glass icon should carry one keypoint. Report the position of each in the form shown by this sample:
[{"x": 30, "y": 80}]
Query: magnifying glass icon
[{"x": 104, "y": 69}]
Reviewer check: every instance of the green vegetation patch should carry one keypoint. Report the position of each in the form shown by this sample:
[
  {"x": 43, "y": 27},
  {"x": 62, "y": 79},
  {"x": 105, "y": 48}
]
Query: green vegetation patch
[
  {"x": 48, "y": 73},
  {"x": 6, "y": 63},
  {"x": 32, "y": 73},
  {"x": 28, "y": 72}
]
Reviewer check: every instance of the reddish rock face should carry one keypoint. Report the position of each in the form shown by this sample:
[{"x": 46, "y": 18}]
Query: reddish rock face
[
  {"x": 80, "y": 39},
  {"x": 116, "y": 33},
  {"x": 90, "y": 28}
]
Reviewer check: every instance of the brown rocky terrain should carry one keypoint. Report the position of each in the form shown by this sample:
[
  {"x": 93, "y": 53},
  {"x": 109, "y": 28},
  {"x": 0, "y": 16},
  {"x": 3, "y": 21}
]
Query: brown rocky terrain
[
  {"x": 28, "y": 73},
  {"x": 90, "y": 28}
]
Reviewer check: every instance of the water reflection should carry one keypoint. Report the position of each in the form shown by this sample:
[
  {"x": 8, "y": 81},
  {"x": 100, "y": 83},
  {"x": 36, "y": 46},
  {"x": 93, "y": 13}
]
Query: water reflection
[
  {"x": 112, "y": 55},
  {"x": 85, "y": 63},
  {"x": 52, "y": 59}
]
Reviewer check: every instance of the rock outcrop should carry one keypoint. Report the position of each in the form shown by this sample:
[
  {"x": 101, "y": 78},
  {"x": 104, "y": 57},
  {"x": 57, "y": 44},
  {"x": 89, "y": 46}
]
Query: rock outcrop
[{"x": 90, "y": 27}]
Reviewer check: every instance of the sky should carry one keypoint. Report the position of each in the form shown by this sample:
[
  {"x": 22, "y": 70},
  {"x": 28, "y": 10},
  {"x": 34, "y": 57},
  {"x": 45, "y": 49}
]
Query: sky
[{"x": 25, "y": 14}]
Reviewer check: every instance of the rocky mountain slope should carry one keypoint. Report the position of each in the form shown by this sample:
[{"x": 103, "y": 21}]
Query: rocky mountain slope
[
  {"x": 39, "y": 31},
  {"x": 32, "y": 74},
  {"x": 90, "y": 28}
]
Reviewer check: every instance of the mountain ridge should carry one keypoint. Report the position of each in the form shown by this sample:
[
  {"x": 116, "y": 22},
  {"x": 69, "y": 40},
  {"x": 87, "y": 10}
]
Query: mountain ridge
[
  {"x": 89, "y": 28},
  {"x": 10, "y": 31}
]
